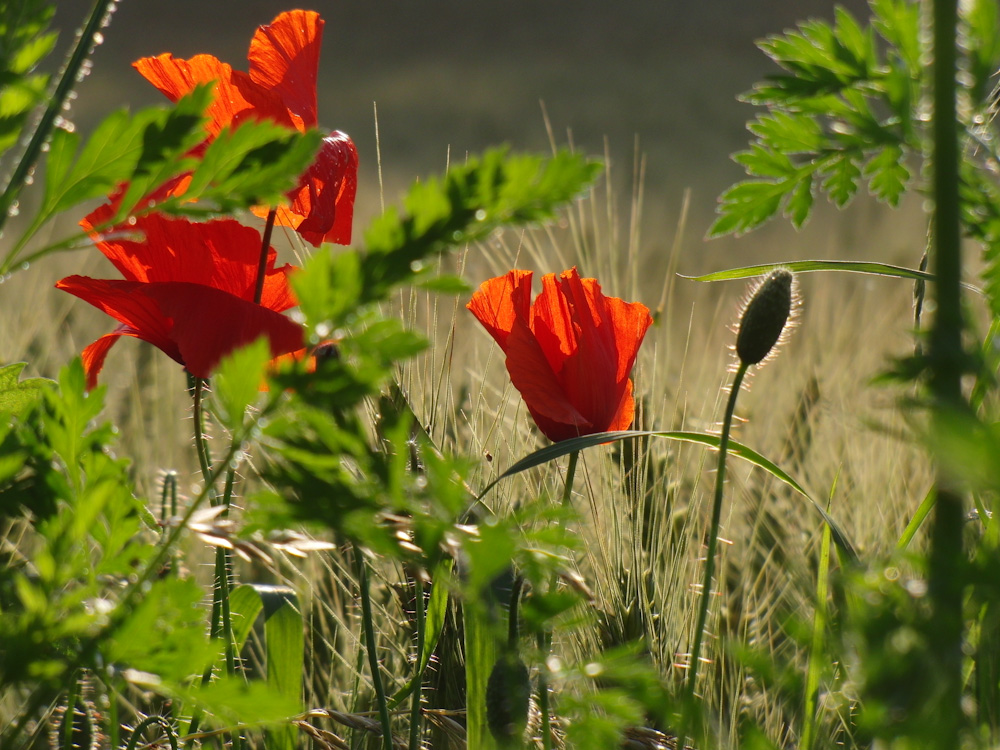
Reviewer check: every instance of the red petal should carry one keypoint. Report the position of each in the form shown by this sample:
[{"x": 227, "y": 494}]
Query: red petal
[
  {"x": 93, "y": 356},
  {"x": 236, "y": 96},
  {"x": 322, "y": 206},
  {"x": 500, "y": 302},
  {"x": 128, "y": 303},
  {"x": 609, "y": 333},
  {"x": 222, "y": 254},
  {"x": 209, "y": 324},
  {"x": 284, "y": 57}
]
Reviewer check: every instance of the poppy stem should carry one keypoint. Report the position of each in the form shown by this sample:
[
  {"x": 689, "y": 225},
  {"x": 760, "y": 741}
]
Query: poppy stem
[
  {"x": 265, "y": 245},
  {"x": 713, "y": 545},
  {"x": 567, "y": 495},
  {"x": 544, "y": 638},
  {"x": 221, "y": 625}
]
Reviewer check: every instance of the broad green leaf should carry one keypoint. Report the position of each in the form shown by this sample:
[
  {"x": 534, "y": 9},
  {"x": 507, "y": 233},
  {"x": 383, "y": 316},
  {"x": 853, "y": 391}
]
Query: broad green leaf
[
  {"x": 482, "y": 647},
  {"x": 565, "y": 447},
  {"x": 245, "y": 604},
  {"x": 17, "y": 396},
  {"x": 285, "y": 639},
  {"x": 237, "y": 382}
]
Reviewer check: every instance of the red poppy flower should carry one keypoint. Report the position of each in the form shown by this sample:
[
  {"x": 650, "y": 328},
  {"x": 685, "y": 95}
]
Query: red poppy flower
[
  {"x": 188, "y": 290},
  {"x": 570, "y": 353},
  {"x": 281, "y": 87}
]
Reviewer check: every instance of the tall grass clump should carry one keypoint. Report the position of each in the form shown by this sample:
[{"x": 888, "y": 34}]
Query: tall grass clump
[{"x": 349, "y": 518}]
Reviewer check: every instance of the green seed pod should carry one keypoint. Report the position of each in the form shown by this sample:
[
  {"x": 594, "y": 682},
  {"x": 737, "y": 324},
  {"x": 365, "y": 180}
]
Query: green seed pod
[
  {"x": 765, "y": 317},
  {"x": 507, "y": 695}
]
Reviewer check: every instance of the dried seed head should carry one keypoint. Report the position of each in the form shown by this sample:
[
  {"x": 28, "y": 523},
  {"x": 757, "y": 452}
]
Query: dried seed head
[
  {"x": 765, "y": 316},
  {"x": 508, "y": 693}
]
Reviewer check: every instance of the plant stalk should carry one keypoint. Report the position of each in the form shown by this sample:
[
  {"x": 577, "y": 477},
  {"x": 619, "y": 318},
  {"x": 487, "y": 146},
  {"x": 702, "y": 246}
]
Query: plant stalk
[
  {"x": 947, "y": 363},
  {"x": 60, "y": 95},
  {"x": 419, "y": 612},
  {"x": 713, "y": 544}
]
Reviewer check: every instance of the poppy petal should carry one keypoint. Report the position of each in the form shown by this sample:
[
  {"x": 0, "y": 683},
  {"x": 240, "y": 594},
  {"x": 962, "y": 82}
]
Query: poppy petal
[
  {"x": 544, "y": 395},
  {"x": 128, "y": 303},
  {"x": 222, "y": 254},
  {"x": 284, "y": 57},
  {"x": 236, "y": 97},
  {"x": 500, "y": 302},
  {"x": 94, "y": 355},
  {"x": 208, "y": 324},
  {"x": 322, "y": 205}
]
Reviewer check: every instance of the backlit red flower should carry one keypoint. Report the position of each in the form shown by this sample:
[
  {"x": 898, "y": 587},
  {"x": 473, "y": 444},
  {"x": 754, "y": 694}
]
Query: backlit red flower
[
  {"x": 188, "y": 289},
  {"x": 570, "y": 353},
  {"x": 280, "y": 87}
]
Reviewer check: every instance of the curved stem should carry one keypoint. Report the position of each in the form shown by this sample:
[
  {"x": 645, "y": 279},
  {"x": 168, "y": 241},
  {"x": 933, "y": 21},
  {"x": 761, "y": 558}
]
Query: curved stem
[
  {"x": 67, "y": 80},
  {"x": 265, "y": 245},
  {"x": 369, "y": 626},
  {"x": 713, "y": 544}
]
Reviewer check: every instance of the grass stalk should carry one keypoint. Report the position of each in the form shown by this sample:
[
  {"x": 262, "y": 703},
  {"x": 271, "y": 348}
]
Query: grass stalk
[
  {"x": 368, "y": 622},
  {"x": 816, "y": 652}
]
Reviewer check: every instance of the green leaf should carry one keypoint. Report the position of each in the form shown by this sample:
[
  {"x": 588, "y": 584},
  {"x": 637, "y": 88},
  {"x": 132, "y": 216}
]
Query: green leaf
[
  {"x": 789, "y": 133},
  {"x": 253, "y": 164},
  {"x": 237, "y": 381},
  {"x": 284, "y": 636},
  {"x": 886, "y": 174},
  {"x": 565, "y": 447},
  {"x": 746, "y": 206},
  {"x": 245, "y": 604},
  {"x": 231, "y": 700},
  {"x": 18, "y": 396},
  {"x": 799, "y": 202},
  {"x": 764, "y": 162},
  {"x": 841, "y": 175},
  {"x": 805, "y": 266}
]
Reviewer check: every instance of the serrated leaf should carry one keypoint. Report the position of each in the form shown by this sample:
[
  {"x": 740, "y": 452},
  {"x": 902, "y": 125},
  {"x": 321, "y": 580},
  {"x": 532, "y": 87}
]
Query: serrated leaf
[
  {"x": 886, "y": 174},
  {"x": 790, "y": 133},
  {"x": 799, "y": 201},
  {"x": 764, "y": 162},
  {"x": 237, "y": 381},
  {"x": 253, "y": 164},
  {"x": 746, "y": 206},
  {"x": 840, "y": 179},
  {"x": 18, "y": 396}
]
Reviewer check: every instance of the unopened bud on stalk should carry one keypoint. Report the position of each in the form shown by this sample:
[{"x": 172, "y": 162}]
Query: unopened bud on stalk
[{"x": 765, "y": 316}]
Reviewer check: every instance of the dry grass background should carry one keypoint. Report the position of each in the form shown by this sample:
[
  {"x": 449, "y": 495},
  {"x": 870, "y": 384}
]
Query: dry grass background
[{"x": 450, "y": 80}]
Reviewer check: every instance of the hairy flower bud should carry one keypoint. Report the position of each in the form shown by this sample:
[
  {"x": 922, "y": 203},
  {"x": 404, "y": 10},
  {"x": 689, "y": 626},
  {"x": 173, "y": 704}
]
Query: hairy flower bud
[
  {"x": 765, "y": 317},
  {"x": 508, "y": 692}
]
